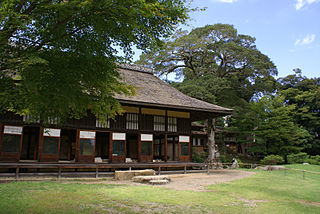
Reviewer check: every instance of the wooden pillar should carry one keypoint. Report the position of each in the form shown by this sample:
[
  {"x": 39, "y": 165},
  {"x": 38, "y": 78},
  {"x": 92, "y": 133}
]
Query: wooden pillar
[
  {"x": 17, "y": 172},
  {"x": 59, "y": 172},
  {"x": 139, "y": 147},
  {"x": 97, "y": 172},
  {"x": 77, "y": 145},
  {"x": 165, "y": 147},
  {"x": 110, "y": 146},
  {"x": 40, "y": 145},
  {"x": 1, "y": 136}
]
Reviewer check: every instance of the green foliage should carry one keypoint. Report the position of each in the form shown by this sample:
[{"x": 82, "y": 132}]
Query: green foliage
[
  {"x": 274, "y": 129},
  {"x": 304, "y": 94},
  {"x": 218, "y": 64},
  {"x": 313, "y": 160},
  {"x": 223, "y": 159},
  {"x": 199, "y": 157},
  {"x": 272, "y": 160},
  {"x": 297, "y": 158},
  {"x": 63, "y": 54}
]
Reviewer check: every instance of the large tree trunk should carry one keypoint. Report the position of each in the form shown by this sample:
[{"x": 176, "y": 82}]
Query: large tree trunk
[{"x": 211, "y": 129}]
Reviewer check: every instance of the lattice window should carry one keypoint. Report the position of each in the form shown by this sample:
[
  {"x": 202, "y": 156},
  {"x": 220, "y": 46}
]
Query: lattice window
[
  {"x": 172, "y": 124},
  {"x": 132, "y": 121},
  {"x": 159, "y": 123},
  {"x": 104, "y": 124},
  {"x": 29, "y": 118}
]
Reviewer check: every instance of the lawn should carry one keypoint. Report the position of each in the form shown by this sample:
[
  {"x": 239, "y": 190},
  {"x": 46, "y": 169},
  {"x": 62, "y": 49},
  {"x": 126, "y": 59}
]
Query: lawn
[{"x": 264, "y": 192}]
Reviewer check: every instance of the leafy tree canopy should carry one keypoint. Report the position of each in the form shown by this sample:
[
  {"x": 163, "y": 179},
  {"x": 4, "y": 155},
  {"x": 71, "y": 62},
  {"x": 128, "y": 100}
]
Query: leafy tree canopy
[
  {"x": 274, "y": 129},
  {"x": 59, "y": 57},
  {"x": 216, "y": 63},
  {"x": 304, "y": 94}
]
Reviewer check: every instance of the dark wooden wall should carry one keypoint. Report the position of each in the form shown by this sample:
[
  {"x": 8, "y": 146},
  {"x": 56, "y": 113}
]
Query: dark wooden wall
[{"x": 118, "y": 124}]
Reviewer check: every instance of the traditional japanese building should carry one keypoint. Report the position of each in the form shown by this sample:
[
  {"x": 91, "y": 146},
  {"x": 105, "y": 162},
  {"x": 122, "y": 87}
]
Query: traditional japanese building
[{"x": 156, "y": 126}]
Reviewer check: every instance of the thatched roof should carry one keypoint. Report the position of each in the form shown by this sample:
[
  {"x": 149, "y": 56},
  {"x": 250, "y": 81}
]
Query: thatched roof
[{"x": 153, "y": 91}]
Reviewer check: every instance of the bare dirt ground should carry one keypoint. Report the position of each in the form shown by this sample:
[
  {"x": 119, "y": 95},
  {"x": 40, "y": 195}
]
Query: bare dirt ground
[{"x": 194, "y": 182}]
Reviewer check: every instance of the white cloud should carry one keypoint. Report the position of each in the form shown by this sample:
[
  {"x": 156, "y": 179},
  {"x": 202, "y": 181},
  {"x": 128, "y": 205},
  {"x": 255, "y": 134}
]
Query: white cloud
[
  {"x": 301, "y": 3},
  {"x": 225, "y": 1},
  {"x": 306, "y": 40}
]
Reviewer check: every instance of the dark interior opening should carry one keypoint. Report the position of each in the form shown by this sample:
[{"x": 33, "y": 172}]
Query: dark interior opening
[
  {"x": 102, "y": 145},
  {"x": 67, "y": 144},
  {"x": 158, "y": 147},
  {"x": 132, "y": 146},
  {"x": 30, "y": 143}
]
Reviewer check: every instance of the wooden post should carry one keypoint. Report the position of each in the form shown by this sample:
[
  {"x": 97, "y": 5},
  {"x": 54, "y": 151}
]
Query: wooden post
[
  {"x": 139, "y": 148},
  {"x": 17, "y": 173},
  {"x": 59, "y": 172},
  {"x": 165, "y": 147},
  {"x": 77, "y": 152},
  {"x": 185, "y": 169},
  {"x": 303, "y": 174},
  {"x": 159, "y": 169},
  {"x": 97, "y": 172}
]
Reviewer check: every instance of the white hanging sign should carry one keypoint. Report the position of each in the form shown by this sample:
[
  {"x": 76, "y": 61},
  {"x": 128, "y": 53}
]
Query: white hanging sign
[
  {"x": 87, "y": 134},
  {"x": 13, "y": 130},
  {"x": 184, "y": 139},
  {"x": 118, "y": 136},
  {"x": 146, "y": 137},
  {"x": 51, "y": 132}
]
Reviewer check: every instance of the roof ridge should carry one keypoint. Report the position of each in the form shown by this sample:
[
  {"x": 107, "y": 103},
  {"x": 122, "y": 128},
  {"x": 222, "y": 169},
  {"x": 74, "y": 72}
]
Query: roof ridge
[{"x": 135, "y": 67}]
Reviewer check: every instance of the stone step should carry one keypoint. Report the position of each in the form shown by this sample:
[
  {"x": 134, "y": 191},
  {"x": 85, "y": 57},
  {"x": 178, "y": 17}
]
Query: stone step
[
  {"x": 145, "y": 179},
  {"x": 128, "y": 175},
  {"x": 159, "y": 182}
]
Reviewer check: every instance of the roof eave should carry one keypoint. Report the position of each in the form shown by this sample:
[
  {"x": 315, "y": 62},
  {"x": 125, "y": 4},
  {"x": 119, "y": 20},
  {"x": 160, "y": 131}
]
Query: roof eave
[{"x": 220, "y": 112}]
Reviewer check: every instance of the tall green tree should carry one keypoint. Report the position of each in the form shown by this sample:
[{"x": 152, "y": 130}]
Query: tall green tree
[
  {"x": 304, "y": 94},
  {"x": 221, "y": 61},
  {"x": 58, "y": 57},
  {"x": 273, "y": 128}
]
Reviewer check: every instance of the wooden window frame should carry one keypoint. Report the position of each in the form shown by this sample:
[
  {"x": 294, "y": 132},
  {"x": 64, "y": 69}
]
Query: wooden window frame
[
  {"x": 117, "y": 159},
  {"x": 85, "y": 158},
  {"x": 9, "y": 156},
  {"x": 145, "y": 158}
]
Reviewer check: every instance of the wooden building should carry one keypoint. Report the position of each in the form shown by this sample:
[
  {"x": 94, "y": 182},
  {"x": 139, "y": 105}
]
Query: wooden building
[
  {"x": 225, "y": 140},
  {"x": 155, "y": 127}
]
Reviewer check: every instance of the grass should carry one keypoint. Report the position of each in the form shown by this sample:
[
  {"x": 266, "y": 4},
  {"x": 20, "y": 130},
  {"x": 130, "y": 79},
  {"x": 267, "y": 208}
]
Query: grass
[{"x": 265, "y": 192}]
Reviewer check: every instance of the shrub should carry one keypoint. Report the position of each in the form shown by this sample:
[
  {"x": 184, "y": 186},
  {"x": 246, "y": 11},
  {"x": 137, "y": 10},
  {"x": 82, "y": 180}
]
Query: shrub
[
  {"x": 223, "y": 159},
  {"x": 297, "y": 158},
  {"x": 313, "y": 160},
  {"x": 199, "y": 157},
  {"x": 272, "y": 160}
]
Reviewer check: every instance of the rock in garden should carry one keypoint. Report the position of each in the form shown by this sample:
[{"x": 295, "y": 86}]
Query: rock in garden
[
  {"x": 146, "y": 179},
  {"x": 128, "y": 175}
]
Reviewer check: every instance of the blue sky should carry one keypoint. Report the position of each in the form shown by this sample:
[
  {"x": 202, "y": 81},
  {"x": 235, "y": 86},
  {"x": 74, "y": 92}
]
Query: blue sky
[{"x": 288, "y": 31}]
